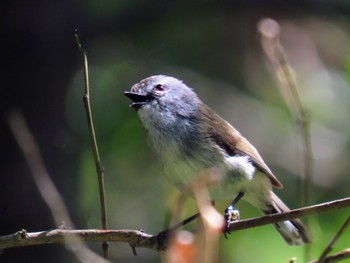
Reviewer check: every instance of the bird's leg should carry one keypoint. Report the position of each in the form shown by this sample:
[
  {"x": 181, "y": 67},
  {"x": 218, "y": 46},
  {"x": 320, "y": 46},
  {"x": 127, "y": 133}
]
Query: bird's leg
[
  {"x": 231, "y": 213},
  {"x": 184, "y": 222},
  {"x": 167, "y": 232},
  {"x": 164, "y": 236}
]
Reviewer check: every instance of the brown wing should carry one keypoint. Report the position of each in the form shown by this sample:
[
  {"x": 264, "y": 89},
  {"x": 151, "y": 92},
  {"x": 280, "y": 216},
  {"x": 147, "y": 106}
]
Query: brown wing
[{"x": 231, "y": 141}]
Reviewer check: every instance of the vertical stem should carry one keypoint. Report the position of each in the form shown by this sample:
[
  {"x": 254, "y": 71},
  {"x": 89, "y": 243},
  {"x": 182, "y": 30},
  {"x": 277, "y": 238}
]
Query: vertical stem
[
  {"x": 270, "y": 32},
  {"x": 99, "y": 168}
]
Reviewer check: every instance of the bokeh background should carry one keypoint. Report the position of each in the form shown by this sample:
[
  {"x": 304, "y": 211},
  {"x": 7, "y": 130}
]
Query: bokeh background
[{"x": 214, "y": 46}]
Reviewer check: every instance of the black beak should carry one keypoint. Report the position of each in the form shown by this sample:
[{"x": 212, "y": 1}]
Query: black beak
[{"x": 138, "y": 99}]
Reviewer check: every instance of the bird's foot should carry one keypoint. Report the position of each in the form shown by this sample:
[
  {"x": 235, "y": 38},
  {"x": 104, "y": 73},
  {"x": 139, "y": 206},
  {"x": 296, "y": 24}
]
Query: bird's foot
[{"x": 231, "y": 215}]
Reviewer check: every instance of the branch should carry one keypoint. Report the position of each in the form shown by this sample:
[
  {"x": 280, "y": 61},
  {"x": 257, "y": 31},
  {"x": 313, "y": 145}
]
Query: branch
[
  {"x": 335, "y": 239},
  {"x": 155, "y": 242},
  {"x": 135, "y": 238},
  {"x": 344, "y": 254},
  {"x": 292, "y": 214}
]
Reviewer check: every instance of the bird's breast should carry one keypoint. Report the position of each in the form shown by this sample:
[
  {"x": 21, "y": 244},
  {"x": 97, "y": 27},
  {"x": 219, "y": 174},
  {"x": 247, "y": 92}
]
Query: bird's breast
[{"x": 184, "y": 151}]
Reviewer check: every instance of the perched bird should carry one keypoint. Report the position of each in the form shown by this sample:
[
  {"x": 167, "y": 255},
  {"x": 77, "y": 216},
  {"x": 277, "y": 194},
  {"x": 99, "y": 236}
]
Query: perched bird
[{"x": 190, "y": 138}]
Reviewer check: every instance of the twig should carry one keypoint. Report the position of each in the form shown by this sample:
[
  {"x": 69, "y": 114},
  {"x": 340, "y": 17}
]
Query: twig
[
  {"x": 47, "y": 190},
  {"x": 155, "y": 242},
  {"x": 292, "y": 214},
  {"x": 134, "y": 237},
  {"x": 99, "y": 168},
  {"x": 332, "y": 242},
  {"x": 342, "y": 255}
]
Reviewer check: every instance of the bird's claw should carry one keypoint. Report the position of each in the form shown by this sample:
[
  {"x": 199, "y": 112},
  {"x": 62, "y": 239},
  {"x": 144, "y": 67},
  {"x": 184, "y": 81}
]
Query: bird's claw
[{"x": 231, "y": 215}]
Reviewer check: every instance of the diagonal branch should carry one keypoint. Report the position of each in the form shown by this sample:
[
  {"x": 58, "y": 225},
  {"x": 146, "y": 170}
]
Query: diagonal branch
[
  {"x": 342, "y": 255},
  {"x": 292, "y": 214},
  {"x": 47, "y": 190},
  {"x": 334, "y": 240}
]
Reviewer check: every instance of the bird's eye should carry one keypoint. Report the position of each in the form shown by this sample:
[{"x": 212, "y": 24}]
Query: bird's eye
[{"x": 159, "y": 87}]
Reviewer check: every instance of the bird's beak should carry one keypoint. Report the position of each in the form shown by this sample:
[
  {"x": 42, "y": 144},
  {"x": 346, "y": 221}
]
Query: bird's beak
[{"x": 138, "y": 99}]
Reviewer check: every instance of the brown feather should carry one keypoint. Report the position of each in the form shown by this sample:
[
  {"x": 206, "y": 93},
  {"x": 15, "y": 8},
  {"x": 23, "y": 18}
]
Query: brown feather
[{"x": 233, "y": 143}]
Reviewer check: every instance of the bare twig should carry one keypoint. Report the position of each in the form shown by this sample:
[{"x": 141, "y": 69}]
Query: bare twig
[
  {"x": 99, "y": 168},
  {"x": 337, "y": 257},
  {"x": 292, "y": 214},
  {"x": 156, "y": 242},
  {"x": 133, "y": 237},
  {"x": 332, "y": 242},
  {"x": 47, "y": 190}
]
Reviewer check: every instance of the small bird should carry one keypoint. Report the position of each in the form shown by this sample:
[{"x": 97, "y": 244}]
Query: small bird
[{"x": 190, "y": 138}]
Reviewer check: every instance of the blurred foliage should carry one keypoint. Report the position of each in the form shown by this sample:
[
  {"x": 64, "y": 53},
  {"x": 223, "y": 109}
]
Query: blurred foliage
[{"x": 215, "y": 48}]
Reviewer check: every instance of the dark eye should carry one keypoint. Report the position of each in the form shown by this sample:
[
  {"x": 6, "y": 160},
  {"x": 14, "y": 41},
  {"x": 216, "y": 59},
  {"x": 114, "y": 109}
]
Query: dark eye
[{"x": 159, "y": 87}]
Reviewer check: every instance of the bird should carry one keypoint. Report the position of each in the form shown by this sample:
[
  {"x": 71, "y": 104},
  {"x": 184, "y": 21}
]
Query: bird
[{"x": 190, "y": 138}]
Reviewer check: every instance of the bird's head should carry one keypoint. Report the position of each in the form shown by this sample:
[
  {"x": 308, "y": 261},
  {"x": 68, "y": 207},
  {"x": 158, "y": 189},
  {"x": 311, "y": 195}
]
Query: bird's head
[{"x": 162, "y": 93}]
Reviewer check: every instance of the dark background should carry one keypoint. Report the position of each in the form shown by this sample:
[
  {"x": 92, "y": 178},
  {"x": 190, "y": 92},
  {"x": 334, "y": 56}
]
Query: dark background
[{"x": 213, "y": 46}]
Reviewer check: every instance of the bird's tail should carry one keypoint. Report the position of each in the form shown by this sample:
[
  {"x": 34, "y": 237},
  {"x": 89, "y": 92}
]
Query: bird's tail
[{"x": 294, "y": 232}]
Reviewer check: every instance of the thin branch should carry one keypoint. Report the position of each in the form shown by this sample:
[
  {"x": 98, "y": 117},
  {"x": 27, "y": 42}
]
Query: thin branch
[
  {"x": 292, "y": 214},
  {"x": 329, "y": 247},
  {"x": 133, "y": 237},
  {"x": 337, "y": 257},
  {"x": 157, "y": 242},
  {"x": 47, "y": 189},
  {"x": 99, "y": 168}
]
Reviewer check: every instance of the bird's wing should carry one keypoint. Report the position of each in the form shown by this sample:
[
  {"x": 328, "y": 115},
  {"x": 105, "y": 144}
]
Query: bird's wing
[
  {"x": 243, "y": 147},
  {"x": 233, "y": 143}
]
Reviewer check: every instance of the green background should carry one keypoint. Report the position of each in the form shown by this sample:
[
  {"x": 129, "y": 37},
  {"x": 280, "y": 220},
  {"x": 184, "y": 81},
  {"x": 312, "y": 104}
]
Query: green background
[{"x": 215, "y": 47}]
